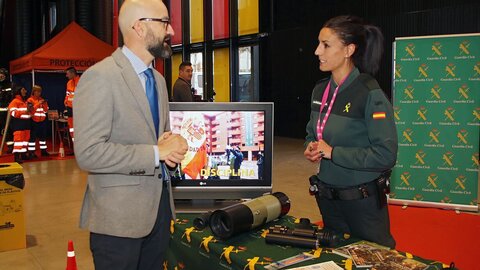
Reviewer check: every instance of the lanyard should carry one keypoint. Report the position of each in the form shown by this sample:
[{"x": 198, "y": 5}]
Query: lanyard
[{"x": 321, "y": 126}]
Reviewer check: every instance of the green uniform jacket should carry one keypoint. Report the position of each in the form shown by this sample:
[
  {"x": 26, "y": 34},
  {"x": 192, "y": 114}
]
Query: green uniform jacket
[{"x": 361, "y": 130}]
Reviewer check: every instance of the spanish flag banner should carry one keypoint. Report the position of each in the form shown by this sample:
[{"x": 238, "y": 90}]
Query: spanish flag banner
[
  {"x": 197, "y": 163},
  {"x": 193, "y": 130}
]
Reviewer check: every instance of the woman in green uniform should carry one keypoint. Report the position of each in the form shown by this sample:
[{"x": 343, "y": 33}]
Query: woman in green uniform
[{"x": 351, "y": 132}]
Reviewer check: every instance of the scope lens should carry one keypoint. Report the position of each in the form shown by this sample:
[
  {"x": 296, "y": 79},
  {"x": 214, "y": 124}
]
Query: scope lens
[
  {"x": 199, "y": 224},
  {"x": 221, "y": 225}
]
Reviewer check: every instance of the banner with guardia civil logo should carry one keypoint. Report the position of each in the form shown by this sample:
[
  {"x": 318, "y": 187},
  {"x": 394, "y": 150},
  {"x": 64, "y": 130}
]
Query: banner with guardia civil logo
[{"x": 436, "y": 86}]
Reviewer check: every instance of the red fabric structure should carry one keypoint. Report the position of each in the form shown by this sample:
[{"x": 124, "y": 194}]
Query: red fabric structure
[{"x": 74, "y": 46}]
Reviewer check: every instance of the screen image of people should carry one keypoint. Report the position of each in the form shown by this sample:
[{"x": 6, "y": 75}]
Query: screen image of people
[{"x": 221, "y": 144}]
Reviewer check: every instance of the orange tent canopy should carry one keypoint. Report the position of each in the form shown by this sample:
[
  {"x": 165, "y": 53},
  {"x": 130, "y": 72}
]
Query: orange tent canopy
[{"x": 74, "y": 46}]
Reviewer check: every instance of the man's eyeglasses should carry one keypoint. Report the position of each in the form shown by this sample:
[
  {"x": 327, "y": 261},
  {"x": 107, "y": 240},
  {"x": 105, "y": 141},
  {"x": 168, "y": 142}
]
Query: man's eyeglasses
[{"x": 166, "y": 21}]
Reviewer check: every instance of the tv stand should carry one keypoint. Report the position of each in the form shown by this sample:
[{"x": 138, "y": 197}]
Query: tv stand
[{"x": 202, "y": 205}]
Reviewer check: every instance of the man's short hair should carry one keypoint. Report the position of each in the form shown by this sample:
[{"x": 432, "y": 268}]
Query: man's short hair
[
  {"x": 72, "y": 69},
  {"x": 4, "y": 71},
  {"x": 184, "y": 64}
]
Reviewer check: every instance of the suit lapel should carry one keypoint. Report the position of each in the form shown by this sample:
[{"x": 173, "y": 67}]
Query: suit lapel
[{"x": 135, "y": 87}]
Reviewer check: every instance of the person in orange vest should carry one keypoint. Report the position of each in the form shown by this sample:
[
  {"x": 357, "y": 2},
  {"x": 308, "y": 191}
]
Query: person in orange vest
[
  {"x": 20, "y": 123},
  {"x": 39, "y": 125},
  {"x": 71, "y": 85}
]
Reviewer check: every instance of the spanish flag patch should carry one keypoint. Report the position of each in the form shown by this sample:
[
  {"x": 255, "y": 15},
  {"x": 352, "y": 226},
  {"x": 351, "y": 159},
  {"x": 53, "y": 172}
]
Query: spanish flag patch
[{"x": 379, "y": 115}]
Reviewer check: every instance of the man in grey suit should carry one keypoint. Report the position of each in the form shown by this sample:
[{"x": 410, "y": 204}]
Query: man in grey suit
[{"x": 123, "y": 141}]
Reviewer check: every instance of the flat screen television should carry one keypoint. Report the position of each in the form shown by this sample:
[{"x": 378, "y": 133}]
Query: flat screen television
[{"x": 229, "y": 156}]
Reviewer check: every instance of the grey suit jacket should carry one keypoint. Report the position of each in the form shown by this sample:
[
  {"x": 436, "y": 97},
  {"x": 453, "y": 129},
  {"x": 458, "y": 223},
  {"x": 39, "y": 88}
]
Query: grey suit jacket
[{"x": 114, "y": 138}]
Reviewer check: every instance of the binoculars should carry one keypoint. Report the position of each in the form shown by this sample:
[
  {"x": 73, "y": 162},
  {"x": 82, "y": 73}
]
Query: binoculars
[{"x": 304, "y": 235}]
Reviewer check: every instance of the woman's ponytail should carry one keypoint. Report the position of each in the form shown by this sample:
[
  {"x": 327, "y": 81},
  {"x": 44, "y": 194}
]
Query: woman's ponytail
[{"x": 373, "y": 49}]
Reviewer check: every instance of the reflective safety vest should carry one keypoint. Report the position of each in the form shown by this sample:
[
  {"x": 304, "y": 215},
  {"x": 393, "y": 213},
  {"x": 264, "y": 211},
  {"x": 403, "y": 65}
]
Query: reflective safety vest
[
  {"x": 18, "y": 108},
  {"x": 71, "y": 85},
  {"x": 39, "y": 110}
]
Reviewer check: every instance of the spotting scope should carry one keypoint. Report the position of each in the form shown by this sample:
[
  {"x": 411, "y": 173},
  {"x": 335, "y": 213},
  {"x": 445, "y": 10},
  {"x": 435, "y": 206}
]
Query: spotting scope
[{"x": 245, "y": 216}]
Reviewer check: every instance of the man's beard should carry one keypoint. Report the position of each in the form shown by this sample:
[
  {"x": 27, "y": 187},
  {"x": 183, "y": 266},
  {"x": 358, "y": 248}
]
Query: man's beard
[{"x": 157, "y": 47}]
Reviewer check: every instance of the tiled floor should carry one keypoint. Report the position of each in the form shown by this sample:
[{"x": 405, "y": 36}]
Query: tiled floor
[{"x": 54, "y": 191}]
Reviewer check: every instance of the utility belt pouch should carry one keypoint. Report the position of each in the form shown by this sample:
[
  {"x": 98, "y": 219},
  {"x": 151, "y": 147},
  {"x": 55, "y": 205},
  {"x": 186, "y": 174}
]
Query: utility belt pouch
[
  {"x": 326, "y": 193},
  {"x": 323, "y": 192},
  {"x": 383, "y": 188}
]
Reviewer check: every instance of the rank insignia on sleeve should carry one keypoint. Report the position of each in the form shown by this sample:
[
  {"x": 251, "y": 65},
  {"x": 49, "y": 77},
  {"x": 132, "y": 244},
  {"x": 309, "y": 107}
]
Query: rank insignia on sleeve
[{"x": 379, "y": 115}]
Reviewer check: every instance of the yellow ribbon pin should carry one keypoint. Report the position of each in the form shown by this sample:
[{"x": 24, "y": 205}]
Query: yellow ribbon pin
[{"x": 347, "y": 106}]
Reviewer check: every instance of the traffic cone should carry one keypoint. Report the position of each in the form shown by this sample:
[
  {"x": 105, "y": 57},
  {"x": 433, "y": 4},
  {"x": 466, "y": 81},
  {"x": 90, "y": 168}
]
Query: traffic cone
[
  {"x": 61, "y": 150},
  {"x": 71, "y": 262}
]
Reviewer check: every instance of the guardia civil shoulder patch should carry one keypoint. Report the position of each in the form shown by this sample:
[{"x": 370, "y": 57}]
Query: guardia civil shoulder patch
[{"x": 379, "y": 115}]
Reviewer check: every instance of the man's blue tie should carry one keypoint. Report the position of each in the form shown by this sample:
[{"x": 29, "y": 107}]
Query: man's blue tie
[{"x": 151, "y": 89}]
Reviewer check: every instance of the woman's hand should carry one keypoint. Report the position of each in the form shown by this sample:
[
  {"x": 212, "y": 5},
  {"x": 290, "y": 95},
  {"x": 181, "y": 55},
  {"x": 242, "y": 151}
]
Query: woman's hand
[
  {"x": 311, "y": 153},
  {"x": 318, "y": 150},
  {"x": 324, "y": 149}
]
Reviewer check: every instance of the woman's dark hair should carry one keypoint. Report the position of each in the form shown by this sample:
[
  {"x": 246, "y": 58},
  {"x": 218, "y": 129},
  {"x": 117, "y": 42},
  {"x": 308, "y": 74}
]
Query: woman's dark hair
[
  {"x": 17, "y": 90},
  {"x": 367, "y": 38}
]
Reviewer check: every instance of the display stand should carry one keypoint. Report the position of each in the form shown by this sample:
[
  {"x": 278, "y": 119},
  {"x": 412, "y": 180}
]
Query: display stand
[{"x": 53, "y": 116}]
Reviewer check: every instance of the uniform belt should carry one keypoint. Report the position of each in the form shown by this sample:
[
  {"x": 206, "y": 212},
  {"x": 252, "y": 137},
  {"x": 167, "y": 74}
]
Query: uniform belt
[{"x": 346, "y": 194}]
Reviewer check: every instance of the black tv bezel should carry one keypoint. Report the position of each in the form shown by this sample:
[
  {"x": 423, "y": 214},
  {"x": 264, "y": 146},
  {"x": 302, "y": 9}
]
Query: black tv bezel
[{"x": 229, "y": 188}]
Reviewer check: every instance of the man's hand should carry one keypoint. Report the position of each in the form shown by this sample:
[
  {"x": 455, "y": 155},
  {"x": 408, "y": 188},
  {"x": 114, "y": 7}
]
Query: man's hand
[{"x": 172, "y": 148}]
